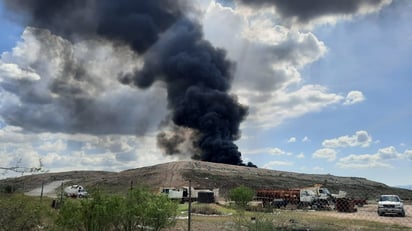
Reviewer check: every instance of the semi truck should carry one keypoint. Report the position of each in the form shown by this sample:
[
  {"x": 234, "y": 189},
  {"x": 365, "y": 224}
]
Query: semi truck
[{"x": 315, "y": 197}]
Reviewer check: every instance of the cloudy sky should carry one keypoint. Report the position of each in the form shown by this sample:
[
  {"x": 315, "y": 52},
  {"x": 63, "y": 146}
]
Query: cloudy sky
[{"x": 325, "y": 85}]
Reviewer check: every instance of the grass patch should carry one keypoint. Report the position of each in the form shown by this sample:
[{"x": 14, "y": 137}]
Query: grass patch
[
  {"x": 40, "y": 214},
  {"x": 305, "y": 220},
  {"x": 282, "y": 220},
  {"x": 206, "y": 209}
]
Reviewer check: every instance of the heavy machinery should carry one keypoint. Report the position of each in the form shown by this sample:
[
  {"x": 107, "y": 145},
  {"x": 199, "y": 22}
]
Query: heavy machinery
[
  {"x": 315, "y": 197},
  {"x": 75, "y": 191}
]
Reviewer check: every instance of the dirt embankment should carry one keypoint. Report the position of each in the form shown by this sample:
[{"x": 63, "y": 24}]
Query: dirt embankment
[{"x": 207, "y": 175}]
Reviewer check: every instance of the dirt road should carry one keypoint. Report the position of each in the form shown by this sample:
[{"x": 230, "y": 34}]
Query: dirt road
[
  {"x": 49, "y": 190},
  {"x": 368, "y": 212}
]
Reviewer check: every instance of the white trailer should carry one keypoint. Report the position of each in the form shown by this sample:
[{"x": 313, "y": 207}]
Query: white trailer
[{"x": 182, "y": 194}]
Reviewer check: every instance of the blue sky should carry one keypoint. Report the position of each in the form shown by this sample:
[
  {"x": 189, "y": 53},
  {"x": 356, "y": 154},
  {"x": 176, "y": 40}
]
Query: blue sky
[{"x": 329, "y": 95}]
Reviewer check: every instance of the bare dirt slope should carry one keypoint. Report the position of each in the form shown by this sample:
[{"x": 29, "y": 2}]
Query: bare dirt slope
[
  {"x": 206, "y": 175},
  {"x": 49, "y": 189}
]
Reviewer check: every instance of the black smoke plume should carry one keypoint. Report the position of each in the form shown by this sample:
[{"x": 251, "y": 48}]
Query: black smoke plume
[
  {"x": 136, "y": 23},
  {"x": 307, "y": 10},
  {"x": 197, "y": 75}
]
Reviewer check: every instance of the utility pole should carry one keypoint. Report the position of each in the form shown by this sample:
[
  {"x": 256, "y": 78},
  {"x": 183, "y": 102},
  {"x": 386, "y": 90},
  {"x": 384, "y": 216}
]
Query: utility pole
[
  {"x": 189, "y": 212},
  {"x": 41, "y": 192},
  {"x": 61, "y": 193}
]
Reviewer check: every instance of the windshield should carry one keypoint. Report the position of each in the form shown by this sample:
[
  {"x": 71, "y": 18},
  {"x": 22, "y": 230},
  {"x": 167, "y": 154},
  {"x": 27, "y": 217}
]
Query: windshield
[
  {"x": 390, "y": 198},
  {"x": 324, "y": 190}
]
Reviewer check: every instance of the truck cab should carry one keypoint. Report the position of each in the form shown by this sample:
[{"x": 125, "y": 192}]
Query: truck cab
[{"x": 316, "y": 197}]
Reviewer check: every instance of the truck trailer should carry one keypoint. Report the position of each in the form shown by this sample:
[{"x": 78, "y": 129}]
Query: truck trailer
[
  {"x": 182, "y": 194},
  {"x": 315, "y": 197}
]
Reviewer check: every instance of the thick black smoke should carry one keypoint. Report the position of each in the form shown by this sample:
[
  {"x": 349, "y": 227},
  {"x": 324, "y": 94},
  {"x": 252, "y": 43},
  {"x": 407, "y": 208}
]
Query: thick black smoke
[
  {"x": 136, "y": 23},
  {"x": 306, "y": 10},
  {"x": 197, "y": 75}
]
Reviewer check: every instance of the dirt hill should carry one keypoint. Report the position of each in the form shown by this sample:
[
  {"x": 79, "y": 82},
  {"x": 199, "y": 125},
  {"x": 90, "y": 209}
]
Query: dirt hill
[{"x": 206, "y": 175}]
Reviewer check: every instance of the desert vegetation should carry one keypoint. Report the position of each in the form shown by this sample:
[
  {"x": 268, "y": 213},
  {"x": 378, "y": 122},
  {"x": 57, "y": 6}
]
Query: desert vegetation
[{"x": 140, "y": 209}]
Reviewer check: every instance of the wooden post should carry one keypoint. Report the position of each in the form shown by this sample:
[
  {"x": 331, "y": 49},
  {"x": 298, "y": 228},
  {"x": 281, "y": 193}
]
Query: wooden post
[
  {"x": 41, "y": 193},
  {"x": 61, "y": 193},
  {"x": 189, "y": 212}
]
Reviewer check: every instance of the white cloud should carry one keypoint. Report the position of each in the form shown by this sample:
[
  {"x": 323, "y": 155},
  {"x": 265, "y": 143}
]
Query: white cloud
[
  {"x": 271, "y": 109},
  {"x": 63, "y": 152},
  {"x": 23, "y": 158},
  {"x": 389, "y": 153},
  {"x": 325, "y": 153},
  {"x": 292, "y": 140},
  {"x": 269, "y": 57},
  {"x": 276, "y": 151},
  {"x": 301, "y": 156},
  {"x": 305, "y": 139},
  {"x": 51, "y": 103},
  {"x": 13, "y": 71},
  {"x": 354, "y": 97},
  {"x": 362, "y": 161},
  {"x": 53, "y": 146},
  {"x": 379, "y": 159},
  {"x": 408, "y": 154},
  {"x": 361, "y": 138},
  {"x": 11, "y": 134},
  {"x": 269, "y": 151}
]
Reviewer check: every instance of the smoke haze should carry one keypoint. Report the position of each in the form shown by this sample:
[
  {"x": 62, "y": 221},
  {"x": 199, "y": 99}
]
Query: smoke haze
[
  {"x": 140, "y": 68},
  {"x": 168, "y": 46}
]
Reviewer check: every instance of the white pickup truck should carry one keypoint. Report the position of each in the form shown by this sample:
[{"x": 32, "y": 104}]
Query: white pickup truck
[{"x": 390, "y": 204}]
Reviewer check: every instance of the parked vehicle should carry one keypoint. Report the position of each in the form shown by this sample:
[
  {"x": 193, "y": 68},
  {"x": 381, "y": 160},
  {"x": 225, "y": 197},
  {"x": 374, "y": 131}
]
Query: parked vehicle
[
  {"x": 316, "y": 197},
  {"x": 390, "y": 204},
  {"x": 182, "y": 194},
  {"x": 75, "y": 191}
]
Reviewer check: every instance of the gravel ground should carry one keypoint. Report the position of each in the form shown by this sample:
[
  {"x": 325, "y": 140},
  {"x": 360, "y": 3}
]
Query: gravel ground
[{"x": 368, "y": 212}]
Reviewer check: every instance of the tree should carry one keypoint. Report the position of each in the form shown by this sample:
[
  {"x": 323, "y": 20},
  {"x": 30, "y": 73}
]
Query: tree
[
  {"x": 241, "y": 195},
  {"x": 23, "y": 170},
  {"x": 138, "y": 210},
  {"x": 144, "y": 209}
]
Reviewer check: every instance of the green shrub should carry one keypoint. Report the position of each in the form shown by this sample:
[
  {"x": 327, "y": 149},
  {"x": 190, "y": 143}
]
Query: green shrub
[
  {"x": 138, "y": 210},
  {"x": 205, "y": 209},
  {"x": 144, "y": 209},
  {"x": 8, "y": 189},
  {"x": 241, "y": 196},
  {"x": 18, "y": 212}
]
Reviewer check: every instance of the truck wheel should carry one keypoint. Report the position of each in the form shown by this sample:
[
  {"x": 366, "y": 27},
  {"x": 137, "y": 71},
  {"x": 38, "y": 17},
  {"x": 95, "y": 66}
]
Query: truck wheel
[{"x": 403, "y": 213}]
